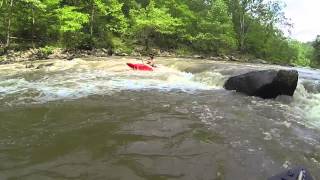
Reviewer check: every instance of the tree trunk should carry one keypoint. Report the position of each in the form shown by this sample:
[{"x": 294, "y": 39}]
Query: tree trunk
[
  {"x": 147, "y": 43},
  {"x": 242, "y": 32},
  {"x": 92, "y": 19},
  {"x": 32, "y": 29},
  {"x": 146, "y": 35},
  {"x": 9, "y": 24}
]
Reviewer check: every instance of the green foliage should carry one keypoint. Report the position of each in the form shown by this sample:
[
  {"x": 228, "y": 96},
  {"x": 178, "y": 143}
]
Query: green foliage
[
  {"x": 51, "y": 3},
  {"x": 71, "y": 22},
  {"x": 183, "y": 51},
  {"x": 316, "y": 53},
  {"x": 101, "y": 5},
  {"x": 36, "y": 3},
  {"x": 269, "y": 44},
  {"x": 47, "y": 50},
  {"x": 151, "y": 21},
  {"x": 117, "y": 21},
  {"x": 215, "y": 31},
  {"x": 119, "y": 45},
  {"x": 184, "y": 26},
  {"x": 70, "y": 19},
  {"x": 304, "y": 53}
]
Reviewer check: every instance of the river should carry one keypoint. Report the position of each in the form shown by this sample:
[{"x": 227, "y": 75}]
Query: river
[{"x": 97, "y": 119}]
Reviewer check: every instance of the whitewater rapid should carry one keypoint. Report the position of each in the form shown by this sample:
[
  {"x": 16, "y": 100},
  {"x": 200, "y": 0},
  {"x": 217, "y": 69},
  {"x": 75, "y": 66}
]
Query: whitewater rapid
[
  {"x": 97, "y": 118},
  {"x": 80, "y": 78},
  {"x": 66, "y": 80}
]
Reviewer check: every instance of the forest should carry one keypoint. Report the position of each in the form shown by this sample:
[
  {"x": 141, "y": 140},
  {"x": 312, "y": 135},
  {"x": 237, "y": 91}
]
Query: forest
[{"x": 210, "y": 27}]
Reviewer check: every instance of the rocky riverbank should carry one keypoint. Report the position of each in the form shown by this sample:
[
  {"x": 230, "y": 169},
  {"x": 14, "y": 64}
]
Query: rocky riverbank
[
  {"x": 47, "y": 53},
  {"x": 59, "y": 53}
]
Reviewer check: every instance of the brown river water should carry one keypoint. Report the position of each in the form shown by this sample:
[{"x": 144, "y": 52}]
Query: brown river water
[{"x": 98, "y": 119}]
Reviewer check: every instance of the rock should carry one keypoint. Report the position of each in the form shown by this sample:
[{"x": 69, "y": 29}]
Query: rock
[
  {"x": 139, "y": 48},
  {"x": 198, "y": 57},
  {"x": 33, "y": 51},
  {"x": 71, "y": 57},
  {"x": 136, "y": 54},
  {"x": 107, "y": 52},
  {"x": 258, "y": 61},
  {"x": 232, "y": 58},
  {"x": 44, "y": 65},
  {"x": 266, "y": 84},
  {"x": 216, "y": 58},
  {"x": 102, "y": 52},
  {"x": 116, "y": 53},
  {"x": 291, "y": 65},
  {"x": 29, "y": 66},
  {"x": 121, "y": 54},
  {"x": 165, "y": 54},
  {"x": 2, "y": 50},
  {"x": 156, "y": 51},
  {"x": 57, "y": 54},
  {"x": 96, "y": 52},
  {"x": 224, "y": 57}
]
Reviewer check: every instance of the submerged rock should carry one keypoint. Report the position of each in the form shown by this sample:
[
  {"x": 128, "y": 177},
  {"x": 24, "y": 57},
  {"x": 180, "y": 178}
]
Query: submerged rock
[{"x": 266, "y": 84}]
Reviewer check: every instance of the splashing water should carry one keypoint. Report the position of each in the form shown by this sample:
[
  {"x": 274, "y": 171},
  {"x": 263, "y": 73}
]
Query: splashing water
[
  {"x": 308, "y": 104},
  {"x": 79, "y": 78},
  {"x": 97, "y": 118}
]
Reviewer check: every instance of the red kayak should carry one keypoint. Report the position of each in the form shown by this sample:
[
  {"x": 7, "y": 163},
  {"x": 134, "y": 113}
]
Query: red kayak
[{"x": 140, "y": 67}]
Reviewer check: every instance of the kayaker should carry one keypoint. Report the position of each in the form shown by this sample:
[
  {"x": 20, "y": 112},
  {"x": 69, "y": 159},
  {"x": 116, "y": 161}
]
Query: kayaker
[{"x": 150, "y": 61}]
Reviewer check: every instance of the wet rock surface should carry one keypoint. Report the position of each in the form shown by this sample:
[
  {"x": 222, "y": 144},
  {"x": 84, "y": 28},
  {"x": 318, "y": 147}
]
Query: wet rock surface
[{"x": 266, "y": 84}]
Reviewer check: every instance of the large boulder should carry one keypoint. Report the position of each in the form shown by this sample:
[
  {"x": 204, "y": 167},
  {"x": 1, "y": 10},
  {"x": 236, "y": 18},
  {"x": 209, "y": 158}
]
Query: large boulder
[{"x": 266, "y": 84}]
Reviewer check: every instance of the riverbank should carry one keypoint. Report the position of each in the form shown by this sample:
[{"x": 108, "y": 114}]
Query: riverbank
[{"x": 48, "y": 53}]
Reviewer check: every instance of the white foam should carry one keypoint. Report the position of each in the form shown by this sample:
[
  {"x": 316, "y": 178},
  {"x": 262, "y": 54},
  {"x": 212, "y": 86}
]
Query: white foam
[
  {"x": 76, "y": 79},
  {"x": 309, "y": 105}
]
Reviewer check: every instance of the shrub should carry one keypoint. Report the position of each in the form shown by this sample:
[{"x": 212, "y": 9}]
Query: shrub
[{"x": 44, "y": 52}]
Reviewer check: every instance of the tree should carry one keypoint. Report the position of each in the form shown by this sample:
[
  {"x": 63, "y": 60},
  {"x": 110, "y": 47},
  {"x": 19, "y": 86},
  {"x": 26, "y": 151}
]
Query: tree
[
  {"x": 316, "y": 54},
  {"x": 71, "y": 22},
  {"x": 152, "y": 20},
  {"x": 214, "y": 31},
  {"x": 35, "y": 6},
  {"x": 303, "y": 52},
  {"x": 117, "y": 23},
  {"x": 9, "y": 7},
  {"x": 197, "y": 26},
  {"x": 105, "y": 19},
  {"x": 246, "y": 13}
]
